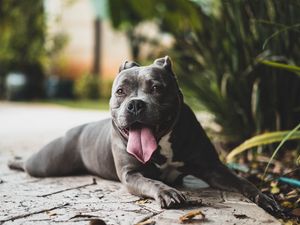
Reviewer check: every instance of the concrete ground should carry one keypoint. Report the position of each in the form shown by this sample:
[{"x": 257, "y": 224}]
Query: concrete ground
[{"x": 24, "y": 128}]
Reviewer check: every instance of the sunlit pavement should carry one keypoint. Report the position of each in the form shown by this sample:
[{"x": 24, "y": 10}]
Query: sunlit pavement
[{"x": 27, "y": 126}]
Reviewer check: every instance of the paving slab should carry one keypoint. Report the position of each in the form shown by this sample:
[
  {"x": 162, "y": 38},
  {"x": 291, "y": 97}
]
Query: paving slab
[{"x": 24, "y": 128}]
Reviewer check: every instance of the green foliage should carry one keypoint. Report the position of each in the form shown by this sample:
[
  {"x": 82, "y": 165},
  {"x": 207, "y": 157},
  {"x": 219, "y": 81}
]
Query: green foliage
[
  {"x": 219, "y": 63},
  {"x": 292, "y": 68},
  {"x": 217, "y": 54},
  {"x": 171, "y": 15},
  {"x": 176, "y": 14},
  {"x": 290, "y": 135},
  {"x": 22, "y": 29},
  {"x": 264, "y": 139},
  {"x": 105, "y": 90},
  {"x": 87, "y": 87}
]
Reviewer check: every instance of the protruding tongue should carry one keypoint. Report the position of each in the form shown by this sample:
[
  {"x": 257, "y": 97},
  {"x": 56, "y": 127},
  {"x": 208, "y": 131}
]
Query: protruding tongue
[{"x": 141, "y": 143}]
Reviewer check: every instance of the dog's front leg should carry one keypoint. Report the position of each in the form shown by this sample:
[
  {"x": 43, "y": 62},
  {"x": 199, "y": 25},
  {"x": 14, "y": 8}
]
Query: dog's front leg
[
  {"x": 166, "y": 196},
  {"x": 131, "y": 173}
]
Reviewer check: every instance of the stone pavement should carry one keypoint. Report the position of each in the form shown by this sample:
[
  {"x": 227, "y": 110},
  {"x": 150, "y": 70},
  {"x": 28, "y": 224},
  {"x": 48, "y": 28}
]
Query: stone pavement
[{"x": 83, "y": 199}]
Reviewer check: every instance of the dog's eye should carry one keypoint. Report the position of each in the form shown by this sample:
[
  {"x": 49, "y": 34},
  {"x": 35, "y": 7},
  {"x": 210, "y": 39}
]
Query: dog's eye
[
  {"x": 155, "y": 88},
  {"x": 120, "y": 91}
]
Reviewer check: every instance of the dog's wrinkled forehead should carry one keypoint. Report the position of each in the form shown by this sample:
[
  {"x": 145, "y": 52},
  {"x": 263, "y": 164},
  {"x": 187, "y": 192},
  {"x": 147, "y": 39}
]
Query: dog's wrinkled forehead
[{"x": 131, "y": 72}]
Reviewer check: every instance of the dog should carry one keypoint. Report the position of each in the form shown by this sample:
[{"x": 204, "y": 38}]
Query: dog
[{"x": 152, "y": 140}]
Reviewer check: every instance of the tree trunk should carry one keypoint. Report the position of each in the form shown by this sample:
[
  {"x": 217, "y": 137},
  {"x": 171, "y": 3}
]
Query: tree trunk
[{"x": 97, "y": 47}]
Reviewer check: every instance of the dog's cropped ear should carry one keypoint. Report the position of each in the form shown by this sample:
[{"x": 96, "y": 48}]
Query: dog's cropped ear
[
  {"x": 127, "y": 65},
  {"x": 164, "y": 62}
]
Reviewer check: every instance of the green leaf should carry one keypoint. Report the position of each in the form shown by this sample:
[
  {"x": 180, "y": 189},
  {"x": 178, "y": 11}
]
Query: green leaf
[
  {"x": 263, "y": 139},
  {"x": 286, "y": 137},
  {"x": 298, "y": 160},
  {"x": 283, "y": 66}
]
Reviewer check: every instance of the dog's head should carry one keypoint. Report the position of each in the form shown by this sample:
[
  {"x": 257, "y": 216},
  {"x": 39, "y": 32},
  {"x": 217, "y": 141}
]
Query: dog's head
[{"x": 145, "y": 104}]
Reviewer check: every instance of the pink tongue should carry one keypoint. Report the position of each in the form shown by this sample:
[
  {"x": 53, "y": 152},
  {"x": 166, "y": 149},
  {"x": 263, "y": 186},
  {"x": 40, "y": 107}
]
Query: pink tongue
[{"x": 141, "y": 143}]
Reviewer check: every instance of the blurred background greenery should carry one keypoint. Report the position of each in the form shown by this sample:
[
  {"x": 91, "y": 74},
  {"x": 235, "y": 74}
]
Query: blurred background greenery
[{"x": 236, "y": 59}]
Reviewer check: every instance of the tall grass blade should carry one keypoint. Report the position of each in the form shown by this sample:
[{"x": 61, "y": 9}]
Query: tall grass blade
[
  {"x": 264, "y": 139},
  {"x": 278, "y": 32},
  {"x": 287, "y": 137},
  {"x": 283, "y": 66},
  {"x": 298, "y": 161}
]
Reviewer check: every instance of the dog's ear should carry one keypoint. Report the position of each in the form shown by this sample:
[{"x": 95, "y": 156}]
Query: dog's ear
[
  {"x": 164, "y": 62},
  {"x": 127, "y": 65}
]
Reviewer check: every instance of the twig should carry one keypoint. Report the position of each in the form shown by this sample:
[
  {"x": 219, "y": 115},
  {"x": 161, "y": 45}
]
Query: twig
[
  {"x": 82, "y": 216},
  {"x": 68, "y": 189},
  {"x": 33, "y": 213},
  {"x": 149, "y": 217}
]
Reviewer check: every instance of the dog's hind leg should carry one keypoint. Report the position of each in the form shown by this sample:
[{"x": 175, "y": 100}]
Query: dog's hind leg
[{"x": 58, "y": 158}]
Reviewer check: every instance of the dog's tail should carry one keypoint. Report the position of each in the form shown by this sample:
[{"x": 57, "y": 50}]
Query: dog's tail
[{"x": 16, "y": 164}]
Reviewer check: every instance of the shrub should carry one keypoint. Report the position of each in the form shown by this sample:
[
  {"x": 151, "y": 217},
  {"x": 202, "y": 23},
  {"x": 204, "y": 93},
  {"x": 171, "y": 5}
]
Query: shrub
[
  {"x": 87, "y": 87},
  {"x": 219, "y": 65},
  {"x": 105, "y": 90},
  {"x": 22, "y": 43},
  {"x": 217, "y": 54}
]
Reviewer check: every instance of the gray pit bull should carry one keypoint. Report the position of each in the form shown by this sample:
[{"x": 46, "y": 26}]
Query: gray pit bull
[{"x": 151, "y": 141}]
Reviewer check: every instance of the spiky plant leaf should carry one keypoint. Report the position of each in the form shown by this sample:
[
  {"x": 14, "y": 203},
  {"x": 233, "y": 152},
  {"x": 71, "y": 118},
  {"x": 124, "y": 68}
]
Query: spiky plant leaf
[
  {"x": 282, "y": 66},
  {"x": 263, "y": 139}
]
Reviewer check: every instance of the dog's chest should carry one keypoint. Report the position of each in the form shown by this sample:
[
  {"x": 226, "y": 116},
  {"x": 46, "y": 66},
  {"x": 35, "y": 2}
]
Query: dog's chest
[{"x": 164, "y": 160}]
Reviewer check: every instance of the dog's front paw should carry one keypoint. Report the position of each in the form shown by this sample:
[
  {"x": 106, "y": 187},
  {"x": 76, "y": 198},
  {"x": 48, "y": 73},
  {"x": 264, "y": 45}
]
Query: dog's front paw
[
  {"x": 170, "y": 198},
  {"x": 268, "y": 204}
]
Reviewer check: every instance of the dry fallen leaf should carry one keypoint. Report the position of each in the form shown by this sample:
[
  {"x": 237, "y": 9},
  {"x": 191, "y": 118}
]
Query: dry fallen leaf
[
  {"x": 274, "y": 183},
  {"x": 275, "y": 190},
  {"x": 287, "y": 204},
  {"x": 296, "y": 212},
  {"x": 289, "y": 222},
  {"x": 274, "y": 187},
  {"x": 147, "y": 222},
  {"x": 190, "y": 215},
  {"x": 143, "y": 201},
  {"x": 292, "y": 193},
  {"x": 49, "y": 213}
]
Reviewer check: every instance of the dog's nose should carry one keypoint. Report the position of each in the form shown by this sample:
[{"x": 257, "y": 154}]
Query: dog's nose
[{"x": 136, "y": 106}]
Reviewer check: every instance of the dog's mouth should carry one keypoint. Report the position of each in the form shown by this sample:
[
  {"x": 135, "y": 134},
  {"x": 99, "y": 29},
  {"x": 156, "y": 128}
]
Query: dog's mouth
[
  {"x": 142, "y": 140},
  {"x": 137, "y": 125}
]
